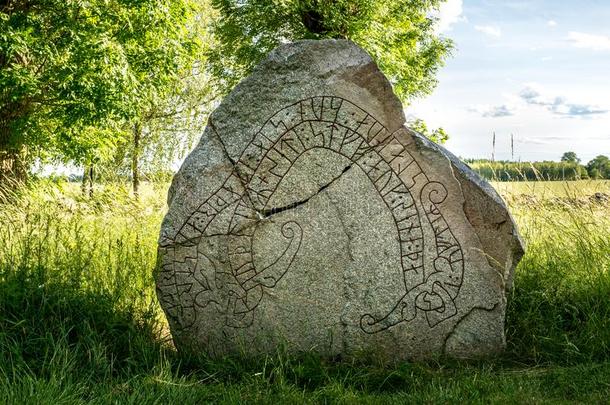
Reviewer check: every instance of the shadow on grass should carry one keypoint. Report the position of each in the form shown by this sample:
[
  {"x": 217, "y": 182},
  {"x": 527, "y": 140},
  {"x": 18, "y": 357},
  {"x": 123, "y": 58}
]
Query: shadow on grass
[
  {"x": 48, "y": 327},
  {"x": 61, "y": 342}
]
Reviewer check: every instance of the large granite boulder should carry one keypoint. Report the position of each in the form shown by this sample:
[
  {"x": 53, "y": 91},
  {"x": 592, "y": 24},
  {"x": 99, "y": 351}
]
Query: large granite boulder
[{"x": 309, "y": 216}]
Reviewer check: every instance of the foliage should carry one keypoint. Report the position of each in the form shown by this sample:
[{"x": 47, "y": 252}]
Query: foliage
[
  {"x": 525, "y": 171},
  {"x": 599, "y": 168},
  {"x": 126, "y": 86},
  {"x": 570, "y": 157},
  {"x": 78, "y": 320},
  {"x": 166, "y": 129},
  {"x": 438, "y": 135},
  {"x": 167, "y": 122},
  {"x": 399, "y": 35},
  {"x": 569, "y": 168},
  {"x": 73, "y": 72}
]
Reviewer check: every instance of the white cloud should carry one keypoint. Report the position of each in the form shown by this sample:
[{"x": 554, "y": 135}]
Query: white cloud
[
  {"x": 531, "y": 95},
  {"x": 579, "y": 110},
  {"x": 490, "y": 30},
  {"x": 533, "y": 140},
  {"x": 543, "y": 140},
  {"x": 497, "y": 111},
  {"x": 589, "y": 41},
  {"x": 448, "y": 14},
  {"x": 551, "y": 23}
]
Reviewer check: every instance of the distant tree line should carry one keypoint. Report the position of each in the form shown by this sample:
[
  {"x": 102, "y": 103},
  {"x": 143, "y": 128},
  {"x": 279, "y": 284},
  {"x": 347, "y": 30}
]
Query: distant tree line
[{"x": 569, "y": 168}]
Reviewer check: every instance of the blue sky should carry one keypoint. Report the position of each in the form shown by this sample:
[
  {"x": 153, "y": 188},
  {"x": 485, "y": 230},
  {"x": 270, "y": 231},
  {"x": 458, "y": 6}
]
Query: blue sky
[{"x": 537, "y": 69}]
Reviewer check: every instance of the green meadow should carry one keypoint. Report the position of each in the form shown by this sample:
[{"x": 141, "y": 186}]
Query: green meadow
[{"x": 79, "y": 320}]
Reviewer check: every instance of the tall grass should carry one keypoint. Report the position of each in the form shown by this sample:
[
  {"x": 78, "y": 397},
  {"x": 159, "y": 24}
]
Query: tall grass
[
  {"x": 76, "y": 285},
  {"x": 559, "y": 311},
  {"x": 79, "y": 320}
]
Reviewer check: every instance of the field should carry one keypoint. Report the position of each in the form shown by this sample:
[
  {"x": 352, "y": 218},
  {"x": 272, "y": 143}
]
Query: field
[{"x": 79, "y": 322}]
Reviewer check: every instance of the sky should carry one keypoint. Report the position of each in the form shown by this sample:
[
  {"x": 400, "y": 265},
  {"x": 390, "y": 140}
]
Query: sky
[{"x": 539, "y": 70}]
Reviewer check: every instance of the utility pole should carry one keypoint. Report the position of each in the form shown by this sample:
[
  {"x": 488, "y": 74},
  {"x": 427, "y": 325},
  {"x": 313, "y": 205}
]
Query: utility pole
[
  {"x": 493, "y": 148},
  {"x": 512, "y": 147}
]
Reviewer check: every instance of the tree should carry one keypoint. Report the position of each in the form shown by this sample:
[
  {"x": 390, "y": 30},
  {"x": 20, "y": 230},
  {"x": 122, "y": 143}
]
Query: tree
[
  {"x": 399, "y": 35},
  {"x": 570, "y": 157},
  {"x": 166, "y": 130},
  {"x": 438, "y": 135},
  {"x": 73, "y": 73},
  {"x": 599, "y": 168},
  {"x": 171, "y": 115}
]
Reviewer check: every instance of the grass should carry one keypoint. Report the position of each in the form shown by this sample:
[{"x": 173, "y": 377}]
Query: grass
[{"x": 79, "y": 322}]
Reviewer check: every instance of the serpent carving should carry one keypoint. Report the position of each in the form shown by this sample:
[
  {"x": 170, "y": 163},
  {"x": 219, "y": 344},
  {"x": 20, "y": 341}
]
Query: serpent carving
[{"x": 209, "y": 262}]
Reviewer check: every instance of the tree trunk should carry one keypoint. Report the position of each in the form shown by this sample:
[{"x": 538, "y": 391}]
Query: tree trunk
[
  {"x": 83, "y": 186},
  {"x": 91, "y": 181},
  {"x": 13, "y": 167},
  {"x": 87, "y": 183},
  {"x": 135, "y": 157}
]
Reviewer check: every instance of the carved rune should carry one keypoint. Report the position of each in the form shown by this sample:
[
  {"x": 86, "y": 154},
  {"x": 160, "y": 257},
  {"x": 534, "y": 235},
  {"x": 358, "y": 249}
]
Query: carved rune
[{"x": 206, "y": 272}]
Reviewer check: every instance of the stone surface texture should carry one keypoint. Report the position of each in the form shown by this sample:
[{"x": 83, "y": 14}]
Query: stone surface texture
[{"x": 309, "y": 216}]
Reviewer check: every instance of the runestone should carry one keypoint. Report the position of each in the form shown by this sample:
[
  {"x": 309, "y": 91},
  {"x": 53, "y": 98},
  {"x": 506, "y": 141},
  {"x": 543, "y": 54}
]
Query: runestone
[{"x": 310, "y": 216}]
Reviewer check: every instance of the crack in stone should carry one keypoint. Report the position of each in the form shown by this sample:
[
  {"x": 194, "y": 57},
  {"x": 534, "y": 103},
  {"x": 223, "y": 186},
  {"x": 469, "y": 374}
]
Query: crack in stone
[
  {"x": 233, "y": 164},
  {"x": 186, "y": 242},
  {"x": 224, "y": 148},
  {"x": 276, "y": 210},
  {"x": 344, "y": 228},
  {"x": 498, "y": 225},
  {"x": 265, "y": 214},
  {"x": 195, "y": 240},
  {"x": 346, "y": 285}
]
